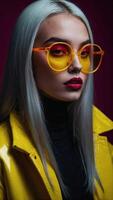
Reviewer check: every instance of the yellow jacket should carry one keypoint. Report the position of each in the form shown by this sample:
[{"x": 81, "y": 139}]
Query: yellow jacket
[{"x": 22, "y": 176}]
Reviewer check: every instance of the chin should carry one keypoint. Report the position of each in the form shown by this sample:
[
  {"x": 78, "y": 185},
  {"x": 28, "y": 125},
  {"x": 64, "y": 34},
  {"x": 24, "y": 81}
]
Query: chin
[
  {"x": 64, "y": 96},
  {"x": 73, "y": 96},
  {"x": 69, "y": 97}
]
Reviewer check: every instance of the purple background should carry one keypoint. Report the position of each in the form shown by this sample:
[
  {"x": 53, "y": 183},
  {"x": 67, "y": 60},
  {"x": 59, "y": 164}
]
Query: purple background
[{"x": 100, "y": 15}]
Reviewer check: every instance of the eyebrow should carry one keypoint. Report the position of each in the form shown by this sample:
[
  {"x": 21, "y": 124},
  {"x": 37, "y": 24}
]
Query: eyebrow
[
  {"x": 56, "y": 39},
  {"x": 85, "y": 42}
]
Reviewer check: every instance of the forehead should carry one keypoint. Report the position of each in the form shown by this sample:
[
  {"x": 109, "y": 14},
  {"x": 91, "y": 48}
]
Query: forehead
[{"x": 65, "y": 26}]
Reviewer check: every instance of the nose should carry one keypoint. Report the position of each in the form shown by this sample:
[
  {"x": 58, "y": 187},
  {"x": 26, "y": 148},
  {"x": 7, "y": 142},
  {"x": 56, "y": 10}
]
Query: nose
[{"x": 75, "y": 66}]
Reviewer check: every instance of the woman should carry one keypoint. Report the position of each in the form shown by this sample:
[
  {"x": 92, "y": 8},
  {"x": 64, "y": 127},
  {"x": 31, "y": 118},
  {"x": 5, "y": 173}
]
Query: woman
[{"x": 46, "y": 140}]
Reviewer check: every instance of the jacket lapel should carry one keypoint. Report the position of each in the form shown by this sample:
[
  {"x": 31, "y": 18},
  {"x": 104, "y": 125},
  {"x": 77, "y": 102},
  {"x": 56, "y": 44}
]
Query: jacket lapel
[
  {"x": 22, "y": 142},
  {"x": 101, "y": 124}
]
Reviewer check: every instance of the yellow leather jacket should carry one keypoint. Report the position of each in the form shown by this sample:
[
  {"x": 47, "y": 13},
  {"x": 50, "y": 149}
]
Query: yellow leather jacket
[{"x": 22, "y": 176}]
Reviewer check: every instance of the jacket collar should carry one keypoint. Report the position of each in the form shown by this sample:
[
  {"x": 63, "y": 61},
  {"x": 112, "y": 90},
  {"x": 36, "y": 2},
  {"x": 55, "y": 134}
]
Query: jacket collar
[
  {"x": 101, "y": 123},
  {"x": 21, "y": 140}
]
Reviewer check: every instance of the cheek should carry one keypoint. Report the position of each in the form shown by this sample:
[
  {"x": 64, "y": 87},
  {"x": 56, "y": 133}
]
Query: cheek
[
  {"x": 39, "y": 63},
  {"x": 42, "y": 73},
  {"x": 84, "y": 77}
]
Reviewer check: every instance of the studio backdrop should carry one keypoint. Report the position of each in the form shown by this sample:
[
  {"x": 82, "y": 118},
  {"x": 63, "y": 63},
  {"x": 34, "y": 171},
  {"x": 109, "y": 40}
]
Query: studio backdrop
[{"x": 100, "y": 15}]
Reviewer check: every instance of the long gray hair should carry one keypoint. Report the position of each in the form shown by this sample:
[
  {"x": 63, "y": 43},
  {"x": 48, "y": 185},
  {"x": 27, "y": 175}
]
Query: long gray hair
[{"x": 20, "y": 91}]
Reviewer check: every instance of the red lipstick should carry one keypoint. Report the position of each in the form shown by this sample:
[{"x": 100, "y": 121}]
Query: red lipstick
[{"x": 74, "y": 83}]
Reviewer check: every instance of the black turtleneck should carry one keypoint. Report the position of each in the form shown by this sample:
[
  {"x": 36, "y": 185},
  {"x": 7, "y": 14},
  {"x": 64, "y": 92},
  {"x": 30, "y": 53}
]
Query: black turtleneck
[{"x": 67, "y": 154}]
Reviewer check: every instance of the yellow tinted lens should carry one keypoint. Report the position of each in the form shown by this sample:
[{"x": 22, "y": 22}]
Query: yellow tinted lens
[
  {"x": 59, "y": 56},
  {"x": 97, "y": 56},
  {"x": 85, "y": 58},
  {"x": 90, "y": 55}
]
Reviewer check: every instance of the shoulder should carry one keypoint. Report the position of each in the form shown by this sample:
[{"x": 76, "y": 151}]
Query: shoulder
[
  {"x": 101, "y": 122},
  {"x": 102, "y": 129},
  {"x": 103, "y": 138}
]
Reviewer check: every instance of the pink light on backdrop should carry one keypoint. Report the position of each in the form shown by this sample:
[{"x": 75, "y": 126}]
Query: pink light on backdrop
[{"x": 9, "y": 11}]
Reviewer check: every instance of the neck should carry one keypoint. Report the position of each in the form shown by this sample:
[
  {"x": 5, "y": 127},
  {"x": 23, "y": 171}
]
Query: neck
[{"x": 57, "y": 116}]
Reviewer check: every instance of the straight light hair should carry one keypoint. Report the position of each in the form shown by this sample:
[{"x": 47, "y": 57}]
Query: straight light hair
[{"x": 20, "y": 92}]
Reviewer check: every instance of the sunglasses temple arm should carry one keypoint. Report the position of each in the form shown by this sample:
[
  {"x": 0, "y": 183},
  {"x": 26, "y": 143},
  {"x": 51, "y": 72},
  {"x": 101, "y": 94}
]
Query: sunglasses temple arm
[
  {"x": 40, "y": 49},
  {"x": 96, "y": 53}
]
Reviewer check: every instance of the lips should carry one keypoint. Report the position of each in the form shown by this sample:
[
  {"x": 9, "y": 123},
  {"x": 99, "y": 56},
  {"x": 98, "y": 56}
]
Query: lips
[{"x": 74, "y": 83}]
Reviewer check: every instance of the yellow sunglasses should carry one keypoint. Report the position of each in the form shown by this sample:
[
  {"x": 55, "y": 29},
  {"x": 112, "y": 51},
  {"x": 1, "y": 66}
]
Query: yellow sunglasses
[{"x": 60, "y": 56}]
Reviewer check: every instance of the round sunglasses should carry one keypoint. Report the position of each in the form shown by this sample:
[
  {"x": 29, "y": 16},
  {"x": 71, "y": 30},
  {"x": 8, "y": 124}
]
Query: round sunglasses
[{"x": 60, "y": 55}]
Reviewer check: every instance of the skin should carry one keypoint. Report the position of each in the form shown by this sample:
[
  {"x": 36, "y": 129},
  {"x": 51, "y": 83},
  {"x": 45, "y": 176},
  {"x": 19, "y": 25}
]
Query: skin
[{"x": 66, "y": 27}]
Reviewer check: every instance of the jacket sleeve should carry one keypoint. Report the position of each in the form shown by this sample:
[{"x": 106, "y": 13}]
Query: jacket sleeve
[
  {"x": 3, "y": 141},
  {"x": 111, "y": 150},
  {"x": 2, "y": 189}
]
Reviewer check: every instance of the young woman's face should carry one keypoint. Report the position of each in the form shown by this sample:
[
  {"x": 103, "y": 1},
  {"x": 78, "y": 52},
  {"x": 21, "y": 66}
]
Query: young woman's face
[{"x": 66, "y": 85}]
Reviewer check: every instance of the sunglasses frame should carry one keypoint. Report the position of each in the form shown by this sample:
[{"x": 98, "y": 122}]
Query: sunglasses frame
[{"x": 47, "y": 48}]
